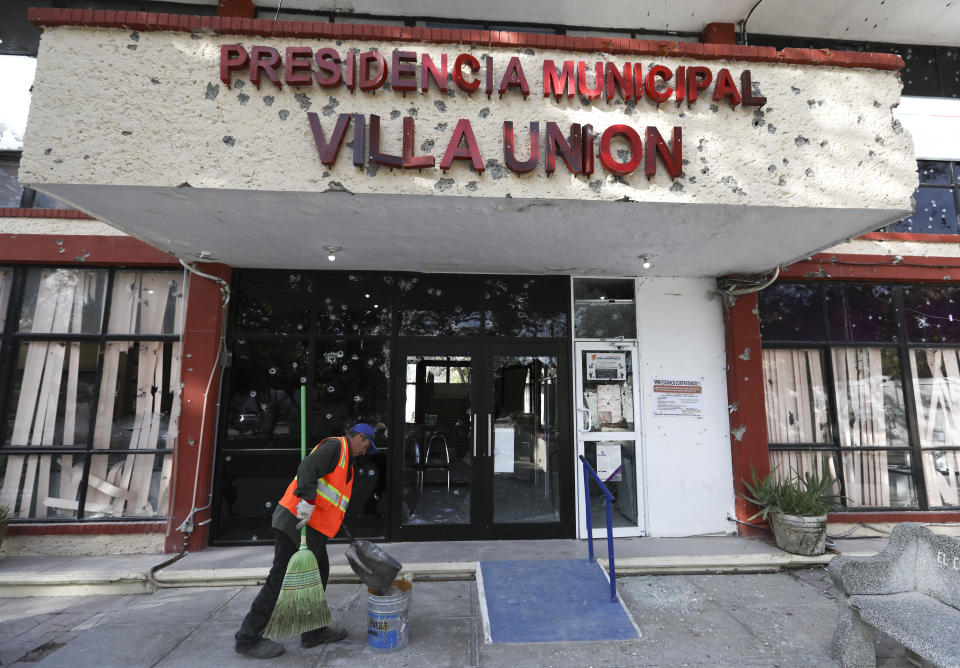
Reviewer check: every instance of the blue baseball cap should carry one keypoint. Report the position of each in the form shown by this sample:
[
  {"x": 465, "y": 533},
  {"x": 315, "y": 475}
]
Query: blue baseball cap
[{"x": 370, "y": 433}]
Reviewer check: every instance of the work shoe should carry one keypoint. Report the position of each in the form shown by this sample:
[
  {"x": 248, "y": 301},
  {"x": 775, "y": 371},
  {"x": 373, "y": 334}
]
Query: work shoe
[
  {"x": 261, "y": 649},
  {"x": 321, "y": 636}
]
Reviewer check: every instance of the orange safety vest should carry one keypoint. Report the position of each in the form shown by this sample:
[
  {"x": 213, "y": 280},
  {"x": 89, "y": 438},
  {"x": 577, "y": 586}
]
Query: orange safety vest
[{"x": 333, "y": 495}]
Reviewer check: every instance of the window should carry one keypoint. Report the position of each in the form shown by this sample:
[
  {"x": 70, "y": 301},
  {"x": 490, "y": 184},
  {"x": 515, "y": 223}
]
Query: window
[
  {"x": 89, "y": 387},
  {"x": 13, "y": 194},
  {"x": 936, "y": 200},
  {"x": 865, "y": 379}
]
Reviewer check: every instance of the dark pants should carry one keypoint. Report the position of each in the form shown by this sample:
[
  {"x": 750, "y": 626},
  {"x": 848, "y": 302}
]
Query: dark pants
[{"x": 256, "y": 620}]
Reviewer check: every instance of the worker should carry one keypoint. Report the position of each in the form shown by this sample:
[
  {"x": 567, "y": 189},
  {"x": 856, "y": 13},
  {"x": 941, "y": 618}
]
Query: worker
[{"x": 318, "y": 496}]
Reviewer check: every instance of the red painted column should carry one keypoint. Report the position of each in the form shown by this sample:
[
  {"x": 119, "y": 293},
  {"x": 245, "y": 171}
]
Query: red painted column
[
  {"x": 193, "y": 455},
  {"x": 241, "y": 9},
  {"x": 719, "y": 33},
  {"x": 748, "y": 420}
]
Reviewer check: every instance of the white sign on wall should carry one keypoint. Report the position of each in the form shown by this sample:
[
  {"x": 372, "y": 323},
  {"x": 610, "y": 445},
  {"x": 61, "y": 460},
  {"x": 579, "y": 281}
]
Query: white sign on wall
[{"x": 675, "y": 396}]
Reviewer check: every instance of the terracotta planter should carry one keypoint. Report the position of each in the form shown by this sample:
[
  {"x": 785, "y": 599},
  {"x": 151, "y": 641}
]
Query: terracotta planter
[{"x": 799, "y": 535}]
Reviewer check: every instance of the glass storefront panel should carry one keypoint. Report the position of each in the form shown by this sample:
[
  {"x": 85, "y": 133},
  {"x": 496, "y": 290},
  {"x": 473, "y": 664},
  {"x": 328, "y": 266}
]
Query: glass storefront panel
[
  {"x": 861, "y": 313},
  {"x": 63, "y": 301},
  {"x": 620, "y": 480},
  {"x": 41, "y": 486},
  {"x": 791, "y": 312},
  {"x": 795, "y": 393},
  {"x": 936, "y": 388},
  {"x": 879, "y": 478},
  {"x": 941, "y": 472},
  {"x": 129, "y": 485},
  {"x": 869, "y": 394},
  {"x": 607, "y": 391},
  {"x": 525, "y": 433}
]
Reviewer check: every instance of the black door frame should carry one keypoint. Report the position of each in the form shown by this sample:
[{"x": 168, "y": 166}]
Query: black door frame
[{"x": 481, "y": 351}]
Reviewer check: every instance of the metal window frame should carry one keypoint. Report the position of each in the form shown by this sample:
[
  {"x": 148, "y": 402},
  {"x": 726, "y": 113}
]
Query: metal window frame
[
  {"x": 904, "y": 349},
  {"x": 11, "y": 339}
]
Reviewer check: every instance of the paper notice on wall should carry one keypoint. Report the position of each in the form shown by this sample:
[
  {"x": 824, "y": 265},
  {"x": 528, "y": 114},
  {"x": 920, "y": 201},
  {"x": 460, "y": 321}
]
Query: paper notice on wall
[
  {"x": 606, "y": 366},
  {"x": 609, "y": 404},
  {"x": 673, "y": 396},
  {"x": 609, "y": 462},
  {"x": 503, "y": 440}
]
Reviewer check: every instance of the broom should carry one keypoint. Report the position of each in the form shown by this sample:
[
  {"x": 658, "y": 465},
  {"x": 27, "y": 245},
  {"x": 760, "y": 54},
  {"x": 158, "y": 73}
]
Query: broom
[{"x": 302, "y": 604}]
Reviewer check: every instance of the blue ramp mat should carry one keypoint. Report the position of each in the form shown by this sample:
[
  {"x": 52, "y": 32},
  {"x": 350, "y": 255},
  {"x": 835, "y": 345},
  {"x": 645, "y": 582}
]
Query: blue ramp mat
[{"x": 550, "y": 600}]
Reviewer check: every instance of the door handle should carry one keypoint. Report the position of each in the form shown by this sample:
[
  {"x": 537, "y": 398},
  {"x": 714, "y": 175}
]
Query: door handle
[
  {"x": 489, "y": 434},
  {"x": 474, "y": 430},
  {"x": 589, "y": 424}
]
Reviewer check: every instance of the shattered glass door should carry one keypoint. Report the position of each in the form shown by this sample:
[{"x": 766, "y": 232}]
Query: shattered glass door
[{"x": 438, "y": 444}]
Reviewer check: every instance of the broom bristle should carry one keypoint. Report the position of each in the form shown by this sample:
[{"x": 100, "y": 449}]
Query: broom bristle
[{"x": 302, "y": 605}]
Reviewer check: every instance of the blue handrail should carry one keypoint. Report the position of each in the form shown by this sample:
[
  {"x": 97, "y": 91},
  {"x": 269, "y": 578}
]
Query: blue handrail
[{"x": 588, "y": 472}]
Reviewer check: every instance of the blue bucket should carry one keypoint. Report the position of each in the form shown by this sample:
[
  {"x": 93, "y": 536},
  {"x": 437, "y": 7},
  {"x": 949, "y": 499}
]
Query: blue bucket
[{"x": 388, "y": 618}]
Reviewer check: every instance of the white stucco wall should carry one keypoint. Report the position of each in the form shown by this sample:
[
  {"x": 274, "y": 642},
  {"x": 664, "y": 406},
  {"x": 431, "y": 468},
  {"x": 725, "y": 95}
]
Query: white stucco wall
[
  {"x": 60, "y": 226},
  {"x": 688, "y": 468},
  {"x": 114, "y": 107}
]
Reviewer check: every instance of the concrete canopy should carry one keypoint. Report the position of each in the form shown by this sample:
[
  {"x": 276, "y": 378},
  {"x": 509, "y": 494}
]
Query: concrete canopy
[
  {"x": 140, "y": 130},
  {"x": 466, "y": 234}
]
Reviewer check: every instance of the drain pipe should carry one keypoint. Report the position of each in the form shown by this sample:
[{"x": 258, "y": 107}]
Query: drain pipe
[{"x": 152, "y": 573}]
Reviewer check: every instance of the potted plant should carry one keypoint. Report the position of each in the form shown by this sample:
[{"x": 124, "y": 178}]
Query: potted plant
[{"x": 796, "y": 507}]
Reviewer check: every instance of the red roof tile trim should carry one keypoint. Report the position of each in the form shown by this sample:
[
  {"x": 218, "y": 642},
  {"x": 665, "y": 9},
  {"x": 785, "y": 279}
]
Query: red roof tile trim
[
  {"x": 49, "y": 17},
  {"x": 8, "y": 212}
]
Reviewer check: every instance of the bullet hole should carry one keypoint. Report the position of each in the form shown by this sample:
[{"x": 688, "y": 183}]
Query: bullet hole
[
  {"x": 412, "y": 111},
  {"x": 126, "y": 133},
  {"x": 693, "y": 179},
  {"x": 268, "y": 100},
  {"x": 443, "y": 184},
  {"x": 58, "y": 161},
  {"x": 135, "y": 36},
  {"x": 229, "y": 141},
  {"x": 283, "y": 114},
  {"x": 623, "y": 154},
  {"x": 731, "y": 183},
  {"x": 876, "y": 103},
  {"x": 595, "y": 186},
  {"x": 677, "y": 187},
  {"x": 702, "y": 145},
  {"x": 808, "y": 171},
  {"x": 132, "y": 47},
  {"x": 243, "y": 98},
  {"x": 497, "y": 171},
  {"x": 528, "y": 52},
  {"x": 212, "y": 91},
  {"x": 47, "y": 151},
  {"x": 714, "y": 108},
  {"x": 395, "y": 114},
  {"x": 239, "y": 83},
  {"x": 897, "y": 127},
  {"x": 427, "y": 145},
  {"x": 801, "y": 140},
  {"x": 303, "y": 100},
  {"x": 684, "y": 162},
  {"x": 772, "y": 168},
  {"x": 472, "y": 186},
  {"x": 683, "y": 114},
  {"x": 811, "y": 103},
  {"x": 782, "y": 182},
  {"x": 859, "y": 120},
  {"x": 705, "y": 171},
  {"x": 484, "y": 112},
  {"x": 440, "y": 126},
  {"x": 154, "y": 81},
  {"x": 86, "y": 157},
  {"x": 336, "y": 187},
  {"x": 873, "y": 154},
  {"x": 194, "y": 36},
  {"x": 878, "y": 139},
  {"x": 440, "y": 105},
  {"x": 325, "y": 175},
  {"x": 758, "y": 118},
  {"x": 796, "y": 91},
  {"x": 786, "y": 162},
  {"x": 372, "y": 169},
  {"x": 349, "y": 144}
]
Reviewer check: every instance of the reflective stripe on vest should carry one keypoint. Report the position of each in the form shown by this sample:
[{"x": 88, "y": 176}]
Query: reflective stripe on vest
[{"x": 331, "y": 494}]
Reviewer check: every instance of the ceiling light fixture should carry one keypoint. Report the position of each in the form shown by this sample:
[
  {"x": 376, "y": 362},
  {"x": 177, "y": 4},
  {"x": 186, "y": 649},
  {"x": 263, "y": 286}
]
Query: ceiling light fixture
[
  {"x": 646, "y": 261},
  {"x": 332, "y": 250}
]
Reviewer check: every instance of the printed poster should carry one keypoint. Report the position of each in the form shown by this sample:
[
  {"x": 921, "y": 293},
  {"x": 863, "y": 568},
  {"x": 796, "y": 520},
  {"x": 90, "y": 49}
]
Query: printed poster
[
  {"x": 675, "y": 396},
  {"x": 609, "y": 462},
  {"x": 606, "y": 366}
]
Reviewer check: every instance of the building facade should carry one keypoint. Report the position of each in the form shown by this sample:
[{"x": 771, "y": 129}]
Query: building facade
[{"x": 504, "y": 248}]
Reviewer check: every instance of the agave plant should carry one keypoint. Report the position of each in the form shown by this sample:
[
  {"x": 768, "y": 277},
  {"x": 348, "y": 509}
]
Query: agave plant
[
  {"x": 809, "y": 494},
  {"x": 4, "y": 516}
]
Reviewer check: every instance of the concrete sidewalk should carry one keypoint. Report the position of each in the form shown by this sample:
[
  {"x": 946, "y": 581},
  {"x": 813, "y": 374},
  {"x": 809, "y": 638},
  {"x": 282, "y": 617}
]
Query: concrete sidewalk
[
  {"x": 770, "y": 619},
  {"x": 233, "y": 566}
]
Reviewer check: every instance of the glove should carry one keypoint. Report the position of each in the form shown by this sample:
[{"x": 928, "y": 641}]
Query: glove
[{"x": 304, "y": 511}]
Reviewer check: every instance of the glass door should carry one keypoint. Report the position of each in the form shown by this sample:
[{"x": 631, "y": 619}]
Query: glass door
[
  {"x": 608, "y": 436},
  {"x": 485, "y": 442}
]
